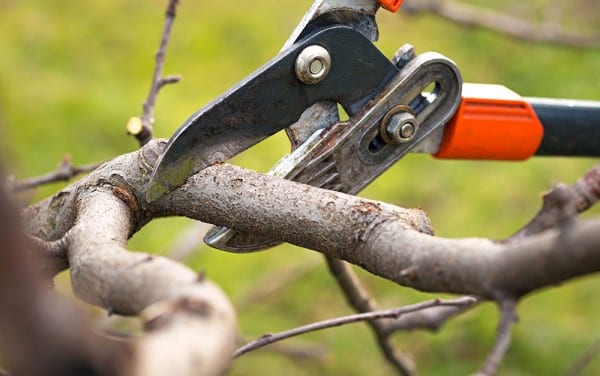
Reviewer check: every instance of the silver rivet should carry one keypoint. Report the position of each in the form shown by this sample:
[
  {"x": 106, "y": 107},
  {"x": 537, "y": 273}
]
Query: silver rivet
[{"x": 312, "y": 64}]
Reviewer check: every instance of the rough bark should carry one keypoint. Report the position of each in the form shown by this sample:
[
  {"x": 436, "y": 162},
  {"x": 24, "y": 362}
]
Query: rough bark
[{"x": 391, "y": 242}]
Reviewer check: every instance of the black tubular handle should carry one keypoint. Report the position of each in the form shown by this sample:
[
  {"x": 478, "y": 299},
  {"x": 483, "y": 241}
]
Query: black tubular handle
[{"x": 571, "y": 127}]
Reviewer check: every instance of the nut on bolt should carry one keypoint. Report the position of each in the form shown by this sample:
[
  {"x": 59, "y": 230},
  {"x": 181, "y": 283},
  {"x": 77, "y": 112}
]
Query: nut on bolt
[
  {"x": 312, "y": 64},
  {"x": 399, "y": 125}
]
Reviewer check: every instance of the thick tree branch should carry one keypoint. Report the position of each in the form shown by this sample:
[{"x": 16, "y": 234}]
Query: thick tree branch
[
  {"x": 388, "y": 241},
  {"x": 107, "y": 206},
  {"x": 177, "y": 305},
  {"x": 41, "y": 334},
  {"x": 391, "y": 242}
]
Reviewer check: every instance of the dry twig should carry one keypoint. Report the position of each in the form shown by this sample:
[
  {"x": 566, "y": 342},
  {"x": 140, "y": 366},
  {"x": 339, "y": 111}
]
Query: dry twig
[
  {"x": 368, "y": 316},
  {"x": 515, "y": 27},
  {"x": 359, "y": 299},
  {"x": 562, "y": 203},
  {"x": 143, "y": 128},
  {"x": 584, "y": 359},
  {"x": 64, "y": 172},
  {"x": 508, "y": 317}
]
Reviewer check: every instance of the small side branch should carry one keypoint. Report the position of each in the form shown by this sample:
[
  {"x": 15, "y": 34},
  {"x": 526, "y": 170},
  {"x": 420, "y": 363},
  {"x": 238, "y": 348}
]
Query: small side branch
[
  {"x": 143, "y": 128},
  {"x": 65, "y": 171},
  {"x": 503, "y": 23},
  {"x": 369, "y": 316},
  {"x": 508, "y": 317},
  {"x": 562, "y": 203},
  {"x": 359, "y": 299},
  {"x": 584, "y": 359},
  {"x": 56, "y": 248}
]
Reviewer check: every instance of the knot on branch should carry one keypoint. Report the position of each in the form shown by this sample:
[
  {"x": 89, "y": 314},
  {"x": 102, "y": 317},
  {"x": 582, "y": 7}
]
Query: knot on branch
[{"x": 161, "y": 315}]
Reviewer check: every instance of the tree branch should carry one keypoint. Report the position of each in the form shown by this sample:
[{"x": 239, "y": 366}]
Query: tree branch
[
  {"x": 108, "y": 205},
  {"x": 515, "y": 27},
  {"x": 388, "y": 241},
  {"x": 368, "y": 316},
  {"x": 359, "y": 299},
  {"x": 584, "y": 359},
  {"x": 508, "y": 317},
  {"x": 562, "y": 203},
  {"x": 177, "y": 305},
  {"x": 143, "y": 128},
  {"x": 65, "y": 171}
]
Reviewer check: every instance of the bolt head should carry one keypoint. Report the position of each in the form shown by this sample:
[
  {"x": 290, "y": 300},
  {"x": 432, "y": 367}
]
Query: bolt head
[{"x": 313, "y": 64}]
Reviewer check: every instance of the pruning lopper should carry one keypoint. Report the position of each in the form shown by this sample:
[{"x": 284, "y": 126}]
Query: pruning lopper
[{"x": 411, "y": 103}]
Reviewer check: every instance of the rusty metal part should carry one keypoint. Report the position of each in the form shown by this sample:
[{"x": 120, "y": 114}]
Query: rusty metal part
[
  {"x": 348, "y": 156},
  {"x": 270, "y": 100},
  {"x": 399, "y": 125}
]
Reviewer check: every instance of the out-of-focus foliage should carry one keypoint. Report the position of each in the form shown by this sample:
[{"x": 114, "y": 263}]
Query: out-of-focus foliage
[{"x": 72, "y": 73}]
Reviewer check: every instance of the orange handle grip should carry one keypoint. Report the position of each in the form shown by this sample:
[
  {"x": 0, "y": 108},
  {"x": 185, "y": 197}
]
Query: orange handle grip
[
  {"x": 391, "y": 5},
  {"x": 492, "y": 122}
]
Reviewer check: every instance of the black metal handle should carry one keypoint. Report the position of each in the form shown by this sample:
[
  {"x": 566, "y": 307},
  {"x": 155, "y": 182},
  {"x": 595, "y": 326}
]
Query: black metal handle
[{"x": 571, "y": 127}]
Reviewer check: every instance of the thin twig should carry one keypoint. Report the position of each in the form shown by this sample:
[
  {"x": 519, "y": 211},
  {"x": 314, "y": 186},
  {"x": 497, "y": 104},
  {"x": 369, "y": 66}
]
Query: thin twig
[
  {"x": 430, "y": 319},
  {"x": 339, "y": 321},
  {"x": 515, "y": 27},
  {"x": 584, "y": 359},
  {"x": 359, "y": 299},
  {"x": 508, "y": 317},
  {"x": 143, "y": 128},
  {"x": 295, "y": 352},
  {"x": 64, "y": 172}
]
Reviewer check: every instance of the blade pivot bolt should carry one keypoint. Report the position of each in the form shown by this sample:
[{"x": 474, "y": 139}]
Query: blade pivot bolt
[{"x": 312, "y": 64}]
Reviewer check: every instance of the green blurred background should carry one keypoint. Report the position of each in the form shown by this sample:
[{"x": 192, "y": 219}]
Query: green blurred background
[{"x": 72, "y": 73}]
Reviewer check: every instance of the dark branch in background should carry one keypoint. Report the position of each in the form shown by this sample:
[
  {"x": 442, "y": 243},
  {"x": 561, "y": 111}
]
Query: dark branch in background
[
  {"x": 64, "y": 172},
  {"x": 339, "y": 321},
  {"x": 585, "y": 359},
  {"x": 40, "y": 333},
  {"x": 359, "y": 299},
  {"x": 508, "y": 317},
  {"x": 562, "y": 203},
  {"x": 143, "y": 128},
  {"x": 509, "y": 25}
]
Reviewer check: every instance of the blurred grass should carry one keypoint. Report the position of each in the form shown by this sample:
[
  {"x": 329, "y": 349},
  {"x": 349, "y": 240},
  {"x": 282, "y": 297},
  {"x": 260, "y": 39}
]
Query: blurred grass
[{"x": 72, "y": 73}]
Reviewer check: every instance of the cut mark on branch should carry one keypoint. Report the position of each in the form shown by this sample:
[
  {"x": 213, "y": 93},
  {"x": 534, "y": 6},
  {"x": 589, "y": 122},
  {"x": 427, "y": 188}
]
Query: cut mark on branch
[
  {"x": 142, "y": 128},
  {"x": 350, "y": 319}
]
